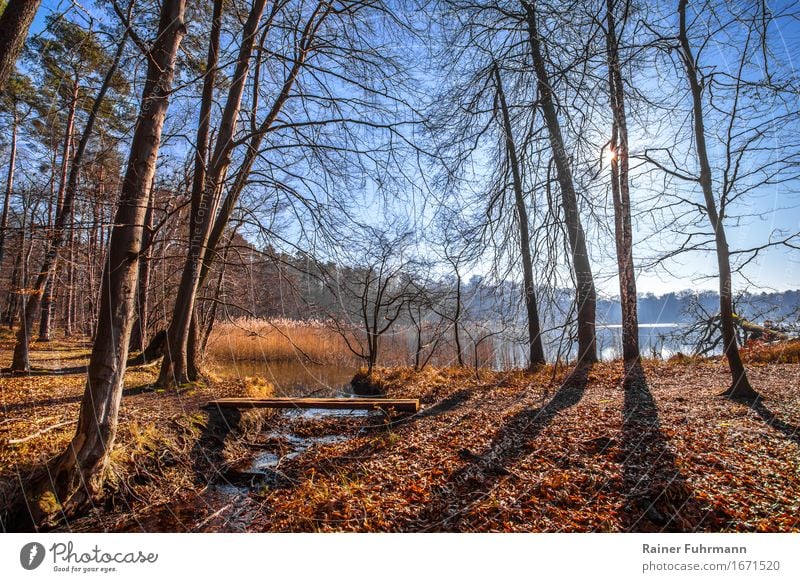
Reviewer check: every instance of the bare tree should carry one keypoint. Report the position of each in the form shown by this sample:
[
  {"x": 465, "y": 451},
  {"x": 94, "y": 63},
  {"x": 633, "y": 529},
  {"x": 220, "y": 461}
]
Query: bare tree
[
  {"x": 586, "y": 297},
  {"x": 207, "y": 189},
  {"x": 620, "y": 187},
  {"x": 740, "y": 385},
  {"x": 372, "y": 294},
  {"x": 75, "y": 477},
  {"x": 535, "y": 343}
]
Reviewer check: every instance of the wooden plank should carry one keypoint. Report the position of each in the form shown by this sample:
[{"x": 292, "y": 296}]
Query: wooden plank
[{"x": 398, "y": 404}]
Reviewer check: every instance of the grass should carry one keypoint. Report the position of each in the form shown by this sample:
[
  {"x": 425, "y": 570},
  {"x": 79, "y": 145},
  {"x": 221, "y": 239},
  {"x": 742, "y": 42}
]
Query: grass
[
  {"x": 277, "y": 340},
  {"x": 776, "y": 353},
  {"x": 291, "y": 340}
]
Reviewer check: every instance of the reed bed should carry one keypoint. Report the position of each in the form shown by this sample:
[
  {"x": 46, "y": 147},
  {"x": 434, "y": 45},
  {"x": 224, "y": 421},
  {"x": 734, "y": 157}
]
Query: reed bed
[{"x": 288, "y": 340}]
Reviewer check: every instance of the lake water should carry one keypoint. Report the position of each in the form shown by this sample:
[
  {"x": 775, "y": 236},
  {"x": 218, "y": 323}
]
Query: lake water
[
  {"x": 292, "y": 378},
  {"x": 302, "y": 379},
  {"x": 656, "y": 340}
]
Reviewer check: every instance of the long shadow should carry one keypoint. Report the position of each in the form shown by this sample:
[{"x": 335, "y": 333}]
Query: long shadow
[
  {"x": 37, "y": 372},
  {"x": 68, "y": 399},
  {"x": 658, "y": 497},
  {"x": 69, "y": 371},
  {"x": 790, "y": 431},
  {"x": 447, "y": 404},
  {"x": 475, "y": 479}
]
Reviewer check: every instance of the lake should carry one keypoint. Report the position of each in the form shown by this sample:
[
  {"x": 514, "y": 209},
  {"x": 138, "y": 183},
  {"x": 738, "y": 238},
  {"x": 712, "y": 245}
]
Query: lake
[{"x": 303, "y": 379}]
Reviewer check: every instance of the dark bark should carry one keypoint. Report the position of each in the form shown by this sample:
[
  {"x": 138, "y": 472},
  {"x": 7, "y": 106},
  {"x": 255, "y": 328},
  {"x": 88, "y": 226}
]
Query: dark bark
[
  {"x": 14, "y": 24},
  {"x": 46, "y": 312},
  {"x": 205, "y": 202},
  {"x": 139, "y": 334},
  {"x": 12, "y": 162},
  {"x": 457, "y": 322},
  {"x": 536, "y": 348},
  {"x": 586, "y": 297},
  {"x": 620, "y": 190},
  {"x": 740, "y": 387},
  {"x": 75, "y": 478}
]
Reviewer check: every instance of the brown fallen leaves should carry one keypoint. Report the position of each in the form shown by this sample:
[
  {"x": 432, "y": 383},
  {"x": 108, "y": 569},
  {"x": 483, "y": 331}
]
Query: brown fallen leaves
[
  {"x": 513, "y": 452},
  {"x": 504, "y": 451}
]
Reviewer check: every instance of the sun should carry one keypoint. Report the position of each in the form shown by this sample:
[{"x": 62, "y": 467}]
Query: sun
[{"x": 609, "y": 155}]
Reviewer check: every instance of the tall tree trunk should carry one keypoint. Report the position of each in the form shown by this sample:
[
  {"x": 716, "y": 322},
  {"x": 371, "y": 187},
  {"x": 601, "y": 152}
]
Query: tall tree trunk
[
  {"x": 46, "y": 311},
  {"x": 14, "y": 24},
  {"x": 12, "y": 162},
  {"x": 620, "y": 191},
  {"x": 586, "y": 297},
  {"x": 13, "y": 294},
  {"x": 69, "y": 311},
  {"x": 457, "y": 323},
  {"x": 66, "y": 154},
  {"x": 76, "y": 476},
  {"x": 205, "y": 202},
  {"x": 535, "y": 344},
  {"x": 21, "y": 358},
  {"x": 740, "y": 385},
  {"x": 139, "y": 335}
]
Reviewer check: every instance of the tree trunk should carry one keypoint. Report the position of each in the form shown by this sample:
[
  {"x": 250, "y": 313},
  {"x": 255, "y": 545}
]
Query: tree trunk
[
  {"x": 66, "y": 154},
  {"x": 740, "y": 385},
  {"x": 11, "y": 305},
  {"x": 75, "y": 478},
  {"x": 457, "y": 323},
  {"x": 536, "y": 354},
  {"x": 14, "y": 24},
  {"x": 205, "y": 202},
  {"x": 69, "y": 319},
  {"x": 139, "y": 335},
  {"x": 620, "y": 191},
  {"x": 192, "y": 354},
  {"x": 46, "y": 312},
  {"x": 586, "y": 297},
  {"x": 12, "y": 162}
]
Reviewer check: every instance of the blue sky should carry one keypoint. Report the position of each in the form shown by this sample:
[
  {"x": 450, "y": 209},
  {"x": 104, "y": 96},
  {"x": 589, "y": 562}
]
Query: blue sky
[{"x": 778, "y": 208}]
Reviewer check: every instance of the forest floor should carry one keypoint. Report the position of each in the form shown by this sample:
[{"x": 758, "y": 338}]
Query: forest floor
[{"x": 493, "y": 451}]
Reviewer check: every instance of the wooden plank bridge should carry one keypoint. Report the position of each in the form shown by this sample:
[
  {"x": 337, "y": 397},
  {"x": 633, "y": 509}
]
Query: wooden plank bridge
[{"x": 400, "y": 405}]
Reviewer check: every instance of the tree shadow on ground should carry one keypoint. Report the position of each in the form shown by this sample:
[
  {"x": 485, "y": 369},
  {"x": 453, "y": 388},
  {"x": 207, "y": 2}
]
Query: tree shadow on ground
[
  {"x": 790, "y": 431},
  {"x": 472, "y": 482},
  {"x": 447, "y": 404},
  {"x": 657, "y": 496},
  {"x": 15, "y": 406}
]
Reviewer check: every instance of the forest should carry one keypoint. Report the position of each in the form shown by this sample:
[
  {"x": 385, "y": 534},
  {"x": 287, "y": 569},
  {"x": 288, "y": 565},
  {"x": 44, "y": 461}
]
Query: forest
[{"x": 399, "y": 265}]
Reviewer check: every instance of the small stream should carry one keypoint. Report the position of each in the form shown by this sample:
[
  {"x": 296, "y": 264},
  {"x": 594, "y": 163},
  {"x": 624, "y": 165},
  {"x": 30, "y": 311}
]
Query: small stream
[{"x": 264, "y": 469}]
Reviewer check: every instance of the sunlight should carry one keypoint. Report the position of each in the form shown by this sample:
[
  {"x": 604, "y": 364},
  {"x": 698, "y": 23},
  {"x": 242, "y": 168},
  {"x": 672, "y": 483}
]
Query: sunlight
[{"x": 609, "y": 155}]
